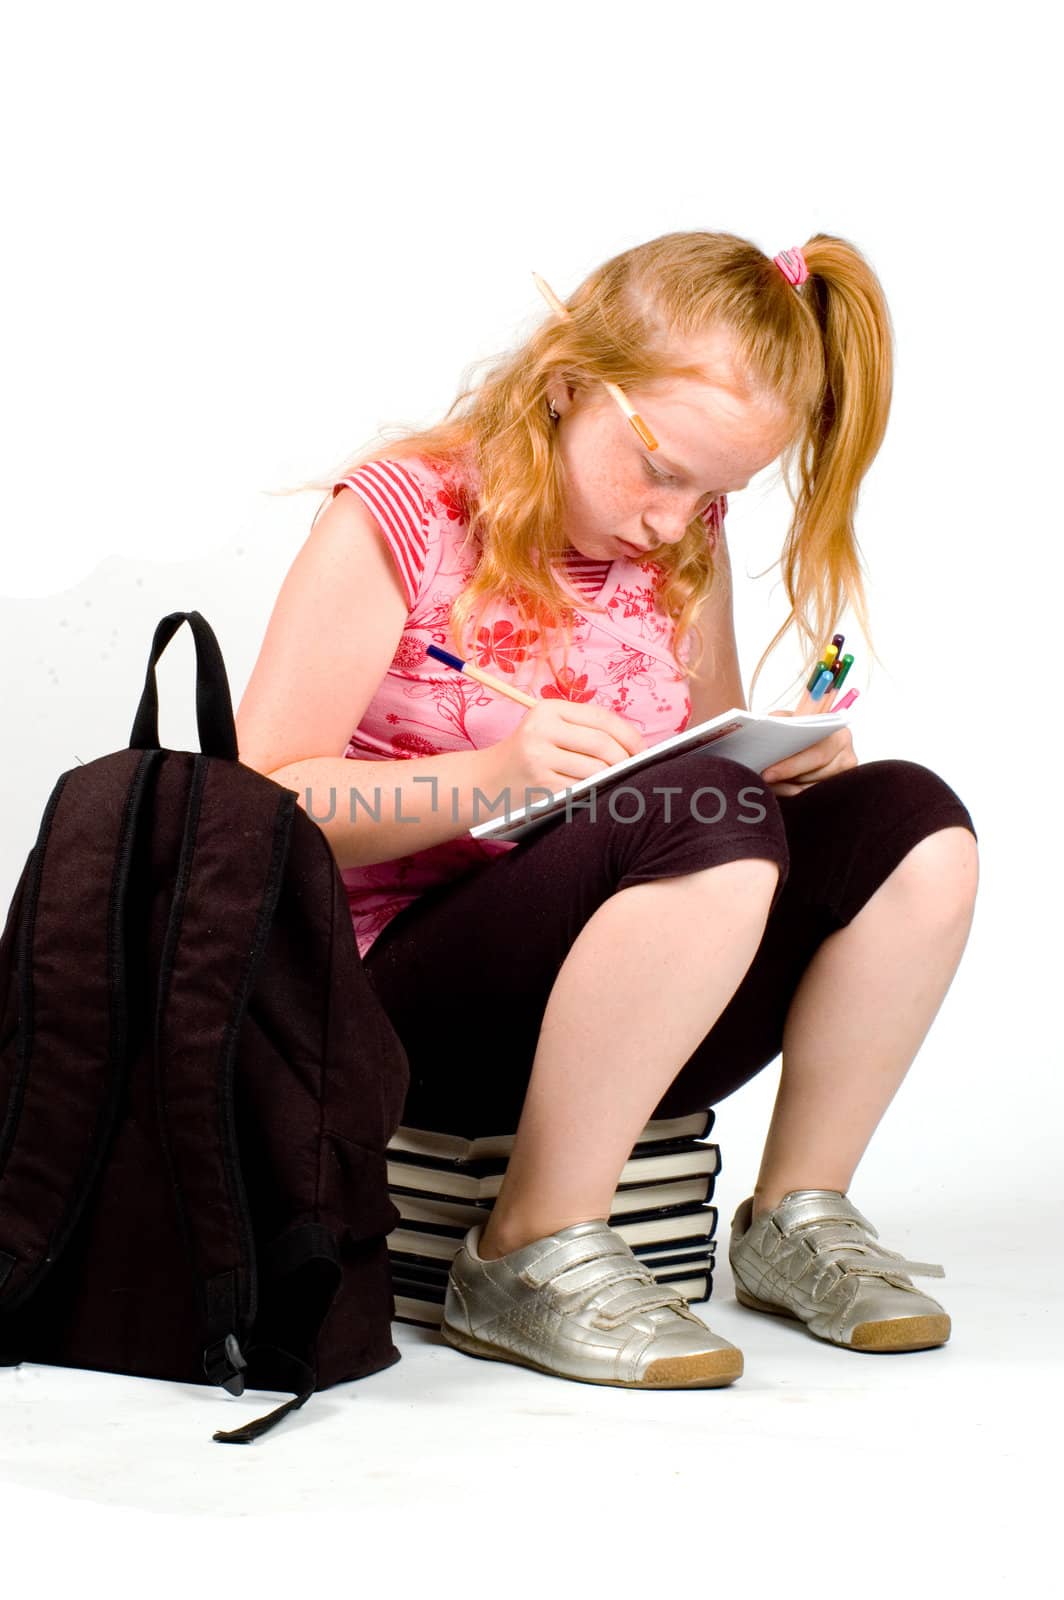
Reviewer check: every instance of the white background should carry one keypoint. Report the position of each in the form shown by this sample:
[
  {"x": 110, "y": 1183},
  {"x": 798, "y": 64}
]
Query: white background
[{"x": 241, "y": 240}]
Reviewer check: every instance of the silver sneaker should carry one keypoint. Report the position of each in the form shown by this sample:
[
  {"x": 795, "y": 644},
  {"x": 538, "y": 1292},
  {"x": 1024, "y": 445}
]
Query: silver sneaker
[
  {"x": 816, "y": 1259},
  {"x": 578, "y": 1304}
]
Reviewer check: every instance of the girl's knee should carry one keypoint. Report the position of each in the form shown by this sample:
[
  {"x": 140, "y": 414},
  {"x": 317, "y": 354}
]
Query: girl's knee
[
  {"x": 710, "y": 788},
  {"x": 696, "y": 812},
  {"x": 944, "y": 864},
  {"x": 894, "y": 790}
]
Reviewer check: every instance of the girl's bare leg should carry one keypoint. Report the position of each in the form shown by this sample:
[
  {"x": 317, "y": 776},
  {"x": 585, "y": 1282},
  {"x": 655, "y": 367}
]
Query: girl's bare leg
[
  {"x": 645, "y": 980},
  {"x": 859, "y": 1015}
]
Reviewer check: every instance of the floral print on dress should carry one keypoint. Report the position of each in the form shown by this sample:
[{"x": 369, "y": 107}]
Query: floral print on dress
[
  {"x": 638, "y": 602},
  {"x": 567, "y": 686},
  {"x": 621, "y": 656},
  {"x": 409, "y": 743},
  {"x": 504, "y": 646}
]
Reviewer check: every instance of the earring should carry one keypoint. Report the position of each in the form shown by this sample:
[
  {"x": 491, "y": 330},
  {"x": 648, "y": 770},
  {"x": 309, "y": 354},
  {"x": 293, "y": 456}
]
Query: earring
[{"x": 550, "y": 408}]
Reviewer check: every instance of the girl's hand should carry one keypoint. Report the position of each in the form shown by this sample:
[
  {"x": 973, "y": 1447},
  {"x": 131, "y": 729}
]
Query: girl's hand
[
  {"x": 832, "y": 754},
  {"x": 558, "y": 743}
]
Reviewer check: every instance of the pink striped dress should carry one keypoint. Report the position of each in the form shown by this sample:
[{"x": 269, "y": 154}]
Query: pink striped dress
[{"x": 621, "y": 657}]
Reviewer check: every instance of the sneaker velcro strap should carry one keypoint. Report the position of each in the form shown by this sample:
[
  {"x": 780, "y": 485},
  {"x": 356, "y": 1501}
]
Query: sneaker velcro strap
[
  {"x": 821, "y": 1238},
  {"x": 583, "y": 1277},
  {"x": 843, "y": 1239},
  {"x": 820, "y": 1206},
  {"x": 570, "y": 1253},
  {"x": 644, "y": 1297},
  {"x": 880, "y": 1263}
]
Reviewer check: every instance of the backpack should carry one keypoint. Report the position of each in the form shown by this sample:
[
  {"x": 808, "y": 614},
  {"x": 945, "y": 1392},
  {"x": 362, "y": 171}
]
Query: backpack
[{"x": 197, "y": 1080}]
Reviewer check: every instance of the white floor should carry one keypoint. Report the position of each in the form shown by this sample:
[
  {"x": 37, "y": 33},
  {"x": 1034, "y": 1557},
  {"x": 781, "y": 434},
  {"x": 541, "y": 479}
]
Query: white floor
[{"x": 820, "y": 1471}]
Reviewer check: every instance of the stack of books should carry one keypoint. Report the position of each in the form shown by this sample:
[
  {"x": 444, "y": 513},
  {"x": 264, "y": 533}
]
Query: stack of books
[{"x": 443, "y": 1185}]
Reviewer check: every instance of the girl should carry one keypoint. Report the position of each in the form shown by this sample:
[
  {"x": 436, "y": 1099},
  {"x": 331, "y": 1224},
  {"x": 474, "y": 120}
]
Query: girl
[{"x": 615, "y": 968}]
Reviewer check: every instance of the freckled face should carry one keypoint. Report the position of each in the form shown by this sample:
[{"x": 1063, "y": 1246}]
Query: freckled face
[{"x": 711, "y": 441}]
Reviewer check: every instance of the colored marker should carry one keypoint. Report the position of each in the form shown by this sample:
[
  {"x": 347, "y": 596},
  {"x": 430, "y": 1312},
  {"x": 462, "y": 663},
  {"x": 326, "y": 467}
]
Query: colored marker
[{"x": 847, "y": 663}]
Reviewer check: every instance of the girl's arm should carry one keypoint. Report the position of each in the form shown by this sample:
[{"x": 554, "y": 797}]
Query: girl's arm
[
  {"x": 380, "y": 810},
  {"x": 334, "y": 629},
  {"x": 331, "y": 637}
]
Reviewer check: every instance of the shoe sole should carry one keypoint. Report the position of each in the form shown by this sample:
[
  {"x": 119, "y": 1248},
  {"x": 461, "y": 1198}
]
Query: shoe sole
[
  {"x": 711, "y": 1370},
  {"x": 895, "y": 1334}
]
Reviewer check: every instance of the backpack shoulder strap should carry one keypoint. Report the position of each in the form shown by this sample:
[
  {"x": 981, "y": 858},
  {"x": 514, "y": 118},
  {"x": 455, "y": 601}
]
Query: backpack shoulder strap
[
  {"x": 229, "y": 876},
  {"x": 71, "y": 1043}
]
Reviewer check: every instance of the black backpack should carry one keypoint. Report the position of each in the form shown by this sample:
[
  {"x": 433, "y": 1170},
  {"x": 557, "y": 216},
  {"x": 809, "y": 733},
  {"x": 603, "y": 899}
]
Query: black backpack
[{"x": 197, "y": 1081}]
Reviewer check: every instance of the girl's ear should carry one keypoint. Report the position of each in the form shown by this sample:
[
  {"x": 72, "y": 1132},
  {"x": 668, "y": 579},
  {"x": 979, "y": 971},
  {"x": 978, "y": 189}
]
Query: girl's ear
[
  {"x": 560, "y": 393},
  {"x": 564, "y": 389}
]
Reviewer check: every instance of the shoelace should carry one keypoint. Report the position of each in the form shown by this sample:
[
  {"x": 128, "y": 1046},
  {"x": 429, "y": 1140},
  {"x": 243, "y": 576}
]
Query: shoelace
[{"x": 646, "y": 1295}]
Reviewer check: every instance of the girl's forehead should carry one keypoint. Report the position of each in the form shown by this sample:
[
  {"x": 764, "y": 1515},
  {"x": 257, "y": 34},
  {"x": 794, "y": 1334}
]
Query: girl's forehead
[{"x": 696, "y": 424}]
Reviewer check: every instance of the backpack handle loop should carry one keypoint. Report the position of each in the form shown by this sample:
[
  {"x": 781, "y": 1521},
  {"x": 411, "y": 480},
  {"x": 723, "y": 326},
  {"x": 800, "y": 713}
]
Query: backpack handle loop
[{"x": 214, "y": 706}]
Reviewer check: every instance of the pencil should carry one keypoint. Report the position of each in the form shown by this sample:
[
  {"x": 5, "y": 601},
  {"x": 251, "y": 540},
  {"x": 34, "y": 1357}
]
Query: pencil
[
  {"x": 614, "y": 388},
  {"x": 485, "y": 678}
]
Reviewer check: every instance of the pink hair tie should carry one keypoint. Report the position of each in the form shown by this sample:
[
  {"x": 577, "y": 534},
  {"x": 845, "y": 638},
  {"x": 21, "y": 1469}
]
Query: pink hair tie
[{"x": 792, "y": 264}]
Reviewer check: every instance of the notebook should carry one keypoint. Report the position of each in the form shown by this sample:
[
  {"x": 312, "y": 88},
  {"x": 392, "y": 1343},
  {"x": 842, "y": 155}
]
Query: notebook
[{"x": 757, "y": 740}]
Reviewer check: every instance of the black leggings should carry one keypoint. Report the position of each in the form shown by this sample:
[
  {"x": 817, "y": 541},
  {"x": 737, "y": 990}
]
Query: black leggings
[{"x": 465, "y": 972}]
